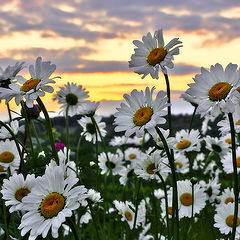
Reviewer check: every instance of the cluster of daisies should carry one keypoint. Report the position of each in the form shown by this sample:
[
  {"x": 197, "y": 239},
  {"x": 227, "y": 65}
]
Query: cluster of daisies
[{"x": 55, "y": 197}]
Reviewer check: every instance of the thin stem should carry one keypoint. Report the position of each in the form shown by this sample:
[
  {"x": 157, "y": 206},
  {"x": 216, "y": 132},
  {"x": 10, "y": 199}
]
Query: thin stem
[
  {"x": 5, "y": 221},
  {"x": 9, "y": 112},
  {"x": 192, "y": 201},
  {"x": 236, "y": 191},
  {"x": 166, "y": 202},
  {"x": 67, "y": 132},
  {"x": 94, "y": 220},
  {"x": 72, "y": 225},
  {"x": 175, "y": 191},
  {"x": 35, "y": 134},
  {"x": 27, "y": 126},
  {"x": 191, "y": 120},
  {"x": 169, "y": 107},
  {"x": 78, "y": 149},
  {"x": 49, "y": 129},
  {"x": 136, "y": 203}
]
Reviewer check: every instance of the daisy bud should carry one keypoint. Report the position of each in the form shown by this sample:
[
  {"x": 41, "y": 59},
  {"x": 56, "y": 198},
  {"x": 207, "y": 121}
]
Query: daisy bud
[
  {"x": 32, "y": 113},
  {"x": 194, "y": 180}
]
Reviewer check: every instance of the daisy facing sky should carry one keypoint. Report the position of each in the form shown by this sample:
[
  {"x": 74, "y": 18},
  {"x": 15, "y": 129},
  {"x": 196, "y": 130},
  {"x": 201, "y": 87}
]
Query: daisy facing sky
[{"x": 152, "y": 55}]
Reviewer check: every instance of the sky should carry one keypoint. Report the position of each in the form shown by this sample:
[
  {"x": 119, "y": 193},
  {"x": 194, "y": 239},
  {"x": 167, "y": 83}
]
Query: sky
[{"x": 90, "y": 41}]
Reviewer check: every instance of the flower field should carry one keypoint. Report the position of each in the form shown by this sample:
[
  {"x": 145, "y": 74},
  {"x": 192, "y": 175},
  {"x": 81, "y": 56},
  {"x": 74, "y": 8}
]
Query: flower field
[{"x": 147, "y": 179}]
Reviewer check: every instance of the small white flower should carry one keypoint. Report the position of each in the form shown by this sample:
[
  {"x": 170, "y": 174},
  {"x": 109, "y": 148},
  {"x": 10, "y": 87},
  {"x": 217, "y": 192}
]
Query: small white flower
[
  {"x": 227, "y": 161},
  {"x": 199, "y": 161},
  {"x": 33, "y": 88},
  {"x": 227, "y": 196},
  {"x": 185, "y": 198},
  {"x": 88, "y": 108},
  {"x": 224, "y": 219},
  {"x": 125, "y": 173},
  {"x": 114, "y": 165},
  {"x": 165, "y": 133},
  {"x": 181, "y": 163},
  {"x": 152, "y": 53},
  {"x": 138, "y": 141},
  {"x": 187, "y": 141},
  {"x": 71, "y": 95},
  {"x": 14, "y": 126},
  {"x": 94, "y": 196},
  {"x": 89, "y": 130},
  {"x": 15, "y": 189},
  {"x": 217, "y": 145},
  {"x": 142, "y": 113},
  {"x": 118, "y": 141},
  {"x": 132, "y": 155},
  {"x": 214, "y": 89},
  {"x": 212, "y": 188},
  {"x": 52, "y": 199}
]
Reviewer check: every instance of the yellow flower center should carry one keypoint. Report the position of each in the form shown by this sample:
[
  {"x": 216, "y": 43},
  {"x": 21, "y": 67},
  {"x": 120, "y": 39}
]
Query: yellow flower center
[
  {"x": 238, "y": 122},
  {"x": 219, "y": 91},
  {"x": 128, "y": 216},
  {"x": 238, "y": 161},
  {"x": 228, "y": 200},
  {"x": 229, "y": 221},
  {"x": 151, "y": 168},
  {"x": 20, "y": 193},
  {"x": 142, "y": 116},
  {"x": 228, "y": 140},
  {"x": 156, "y": 56},
  {"x": 2, "y": 169},
  {"x": 186, "y": 199},
  {"x": 179, "y": 164},
  {"x": 132, "y": 156},
  {"x": 183, "y": 144},
  {"x": 6, "y": 157},
  {"x": 30, "y": 84},
  {"x": 169, "y": 210},
  {"x": 52, "y": 204}
]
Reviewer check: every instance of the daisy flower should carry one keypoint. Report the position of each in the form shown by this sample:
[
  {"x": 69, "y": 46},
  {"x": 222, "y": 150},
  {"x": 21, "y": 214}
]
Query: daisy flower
[
  {"x": 14, "y": 126},
  {"x": 133, "y": 155},
  {"x": 143, "y": 235},
  {"x": 214, "y": 89},
  {"x": 114, "y": 165},
  {"x": 227, "y": 196},
  {"x": 228, "y": 139},
  {"x": 33, "y": 88},
  {"x": 15, "y": 189},
  {"x": 227, "y": 161},
  {"x": 142, "y": 112},
  {"x": 118, "y": 141},
  {"x": 138, "y": 141},
  {"x": 90, "y": 131},
  {"x": 217, "y": 145},
  {"x": 125, "y": 173},
  {"x": 185, "y": 198},
  {"x": 125, "y": 210},
  {"x": 224, "y": 219},
  {"x": 71, "y": 95},
  {"x": 9, "y": 73},
  {"x": 189, "y": 98},
  {"x": 9, "y": 155},
  {"x": 94, "y": 196},
  {"x": 159, "y": 193},
  {"x": 152, "y": 54},
  {"x": 187, "y": 141},
  {"x": 181, "y": 163},
  {"x": 225, "y": 126},
  {"x": 205, "y": 123},
  {"x": 165, "y": 133},
  {"x": 88, "y": 108},
  {"x": 163, "y": 206},
  {"x": 198, "y": 162},
  {"x": 212, "y": 188},
  {"x": 52, "y": 199},
  {"x": 150, "y": 165}
]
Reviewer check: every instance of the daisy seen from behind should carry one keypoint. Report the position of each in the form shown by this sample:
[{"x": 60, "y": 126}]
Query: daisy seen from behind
[
  {"x": 71, "y": 96},
  {"x": 51, "y": 201},
  {"x": 152, "y": 55},
  {"x": 141, "y": 112},
  {"x": 214, "y": 89},
  {"x": 33, "y": 88}
]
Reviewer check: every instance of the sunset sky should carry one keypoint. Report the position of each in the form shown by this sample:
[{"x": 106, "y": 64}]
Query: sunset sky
[{"x": 90, "y": 41}]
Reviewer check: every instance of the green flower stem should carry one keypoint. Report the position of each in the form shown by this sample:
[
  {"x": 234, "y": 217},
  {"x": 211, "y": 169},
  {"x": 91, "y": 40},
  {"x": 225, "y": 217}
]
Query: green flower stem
[
  {"x": 35, "y": 134},
  {"x": 97, "y": 178},
  {"x": 169, "y": 107},
  {"x": 175, "y": 191},
  {"x": 67, "y": 131},
  {"x": 101, "y": 137},
  {"x": 236, "y": 191},
  {"x": 73, "y": 227},
  {"x": 9, "y": 112},
  {"x": 78, "y": 149},
  {"x": 27, "y": 124},
  {"x": 166, "y": 202},
  {"x": 94, "y": 220},
  {"x": 191, "y": 120},
  {"x": 15, "y": 140},
  {"x": 5, "y": 221},
  {"x": 136, "y": 202},
  {"x": 192, "y": 203},
  {"x": 49, "y": 129}
]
